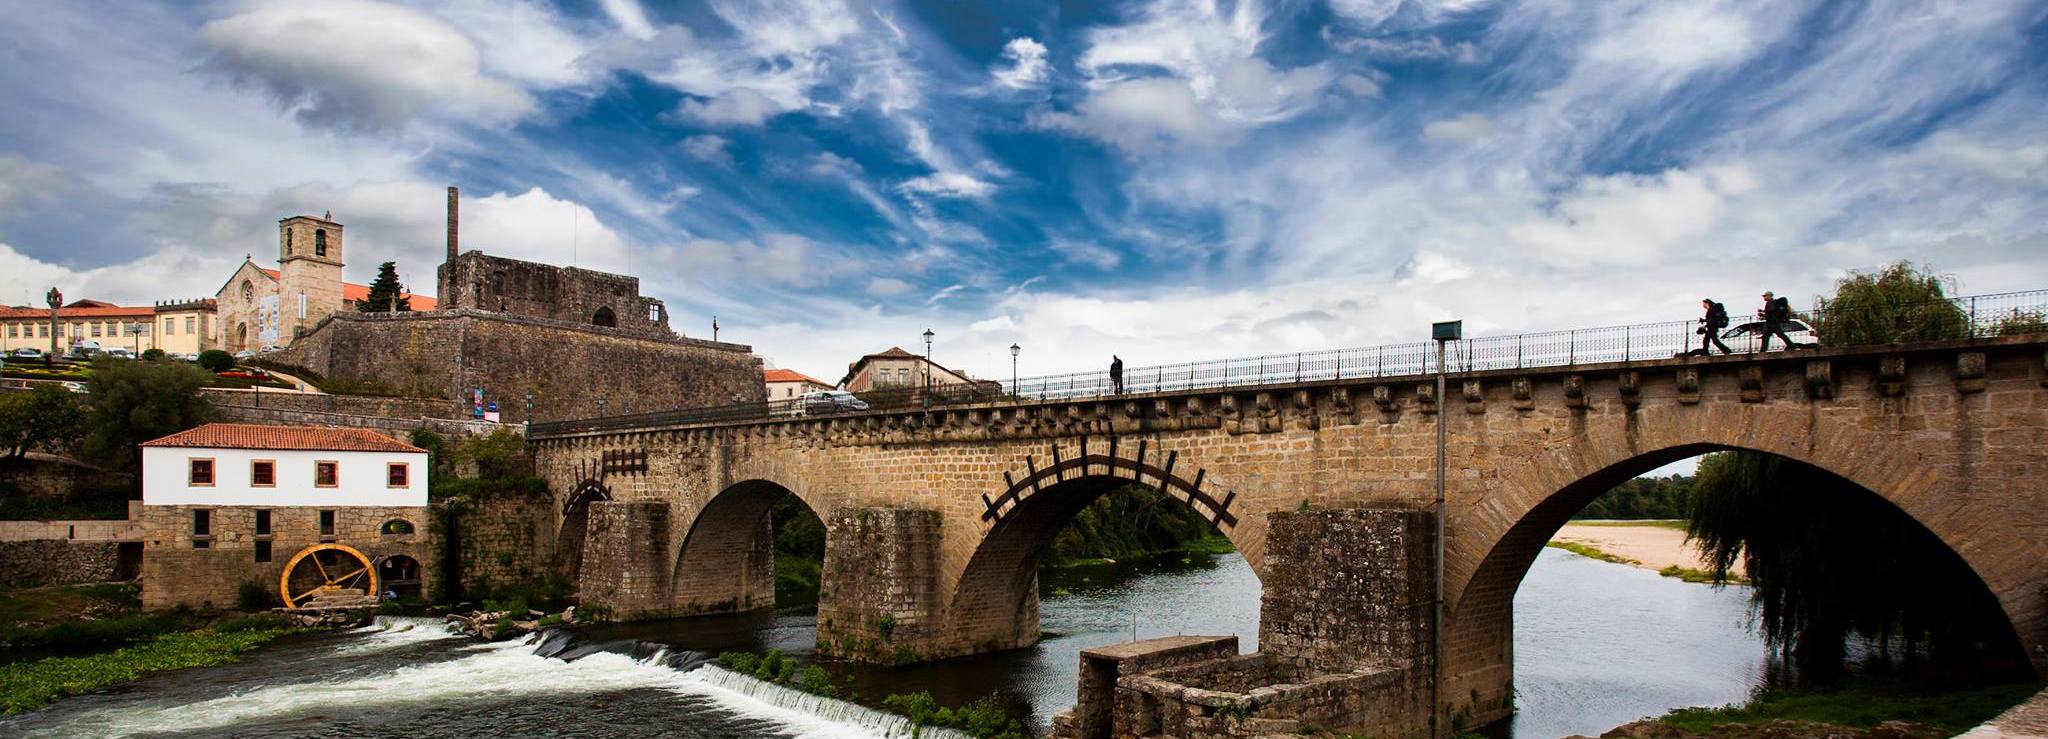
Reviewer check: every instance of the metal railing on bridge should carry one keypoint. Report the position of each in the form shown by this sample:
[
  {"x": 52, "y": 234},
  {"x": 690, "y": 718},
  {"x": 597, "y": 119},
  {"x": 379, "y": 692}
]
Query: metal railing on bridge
[{"x": 1858, "y": 324}]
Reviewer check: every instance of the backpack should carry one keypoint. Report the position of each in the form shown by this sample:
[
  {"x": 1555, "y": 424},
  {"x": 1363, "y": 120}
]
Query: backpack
[
  {"x": 1717, "y": 315},
  {"x": 1781, "y": 309}
]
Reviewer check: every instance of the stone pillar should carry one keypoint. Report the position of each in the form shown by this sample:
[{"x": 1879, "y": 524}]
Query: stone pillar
[
  {"x": 626, "y": 562},
  {"x": 1349, "y": 589},
  {"x": 879, "y": 596}
]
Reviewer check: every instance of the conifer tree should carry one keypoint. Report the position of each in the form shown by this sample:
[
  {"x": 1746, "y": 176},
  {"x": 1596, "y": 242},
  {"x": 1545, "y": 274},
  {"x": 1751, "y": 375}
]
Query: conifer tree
[{"x": 385, "y": 293}]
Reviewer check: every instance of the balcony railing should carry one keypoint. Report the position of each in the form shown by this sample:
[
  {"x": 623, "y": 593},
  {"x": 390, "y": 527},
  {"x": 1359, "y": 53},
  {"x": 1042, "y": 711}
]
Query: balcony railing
[{"x": 1976, "y": 316}]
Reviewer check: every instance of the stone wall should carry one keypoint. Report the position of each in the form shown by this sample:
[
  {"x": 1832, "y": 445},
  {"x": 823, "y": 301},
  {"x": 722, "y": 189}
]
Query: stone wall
[
  {"x": 177, "y": 572},
  {"x": 878, "y": 597},
  {"x": 1348, "y": 588},
  {"x": 49, "y": 476},
  {"x": 626, "y": 558},
  {"x": 568, "y": 294},
  {"x": 397, "y": 427},
  {"x": 353, "y": 405},
  {"x": 38, "y": 562},
  {"x": 572, "y": 371},
  {"x": 501, "y": 539}
]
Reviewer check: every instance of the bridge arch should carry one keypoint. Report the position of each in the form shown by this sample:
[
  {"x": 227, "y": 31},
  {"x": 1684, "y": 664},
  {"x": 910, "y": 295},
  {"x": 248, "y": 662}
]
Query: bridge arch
[
  {"x": 994, "y": 604},
  {"x": 1495, "y": 541},
  {"x": 575, "y": 526},
  {"x": 727, "y": 561}
]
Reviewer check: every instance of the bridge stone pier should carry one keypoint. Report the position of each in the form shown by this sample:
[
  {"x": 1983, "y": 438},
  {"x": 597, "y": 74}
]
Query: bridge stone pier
[{"x": 937, "y": 519}]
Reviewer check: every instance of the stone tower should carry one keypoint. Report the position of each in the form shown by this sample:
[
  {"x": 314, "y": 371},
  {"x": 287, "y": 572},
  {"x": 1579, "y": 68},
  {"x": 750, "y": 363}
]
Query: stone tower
[{"x": 309, "y": 262}]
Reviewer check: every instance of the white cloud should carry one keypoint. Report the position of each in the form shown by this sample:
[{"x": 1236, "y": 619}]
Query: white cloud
[
  {"x": 1085, "y": 252},
  {"x": 710, "y": 148},
  {"x": 1027, "y": 64},
  {"x": 948, "y": 184},
  {"x": 1677, "y": 37},
  {"x": 1139, "y": 115},
  {"x": 629, "y": 17},
  {"x": 887, "y": 287},
  {"x": 741, "y": 106},
  {"x": 1463, "y": 129},
  {"x": 777, "y": 259},
  {"x": 358, "y": 64},
  {"x": 1363, "y": 85}
]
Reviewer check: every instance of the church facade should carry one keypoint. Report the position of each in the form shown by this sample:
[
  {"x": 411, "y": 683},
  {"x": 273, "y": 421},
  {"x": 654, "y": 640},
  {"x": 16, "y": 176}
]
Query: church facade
[{"x": 261, "y": 307}]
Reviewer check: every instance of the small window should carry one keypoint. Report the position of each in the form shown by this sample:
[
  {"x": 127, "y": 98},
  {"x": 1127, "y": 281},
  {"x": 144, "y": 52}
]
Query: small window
[
  {"x": 95, "y": 329},
  {"x": 326, "y": 474},
  {"x": 263, "y": 524},
  {"x": 202, "y": 522},
  {"x": 397, "y": 474},
  {"x": 319, "y": 242},
  {"x": 263, "y": 551},
  {"x": 189, "y": 323},
  {"x": 263, "y": 473},
  {"x": 396, "y": 526},
  {"x": 201, "y": 473},
  {"x": 327, "y": 523}
]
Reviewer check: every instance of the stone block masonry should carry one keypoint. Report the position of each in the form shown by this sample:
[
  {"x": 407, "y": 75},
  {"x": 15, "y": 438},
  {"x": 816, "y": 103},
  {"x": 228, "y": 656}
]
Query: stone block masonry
[
  {"x": 175, "y": 571},
  {"x": 572, "y": 370},
  {"x": 37, "y": 562},
  {"x": 878, "y": 600},
  {"x": 626, "y": 559},
  {"x": 500, "y": 539}
]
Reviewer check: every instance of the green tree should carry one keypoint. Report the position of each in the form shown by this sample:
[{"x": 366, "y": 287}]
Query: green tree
[
  {"x": 46, "y": 418},
  {"x": 134, "y": 402},
  {"x": 385, "y": 292},
  {"x": 1897, "y": 303},
  {"x": 153, "y": 354},
  {"x": 216, "y": 360},
  {"x": 494, "y": 454}
]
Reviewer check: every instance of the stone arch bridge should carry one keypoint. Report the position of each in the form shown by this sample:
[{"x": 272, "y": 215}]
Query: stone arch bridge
[{"x": 936, "y": 519}]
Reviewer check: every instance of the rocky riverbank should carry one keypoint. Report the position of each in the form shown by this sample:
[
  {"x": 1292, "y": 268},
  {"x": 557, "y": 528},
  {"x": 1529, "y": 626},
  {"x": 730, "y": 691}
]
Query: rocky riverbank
[
  {"x": 502, "y": 625},
  {"x": 1652, "y": 545}
]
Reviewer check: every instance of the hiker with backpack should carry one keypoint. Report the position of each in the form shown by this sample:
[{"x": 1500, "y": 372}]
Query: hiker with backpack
[
  {"x": 1711, "y": 325},
  {"x": 1775, "y": 313}
]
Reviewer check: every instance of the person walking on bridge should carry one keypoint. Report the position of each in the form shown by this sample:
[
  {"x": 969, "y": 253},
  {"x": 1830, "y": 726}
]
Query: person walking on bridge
[
  {"x": 1775, "y": 313},
  {"x": 1116, "y": 374},
  {"x": 1711, "y": 325}
]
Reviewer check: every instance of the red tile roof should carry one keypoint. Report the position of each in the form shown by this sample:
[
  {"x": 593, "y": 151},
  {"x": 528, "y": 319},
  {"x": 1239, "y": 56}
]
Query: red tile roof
[
  {"x": 303, "y": 438},
  {"x": 783, "y": 375},
  {"x": 353, "y": 292},
  {"x": 112, "y": 311}
]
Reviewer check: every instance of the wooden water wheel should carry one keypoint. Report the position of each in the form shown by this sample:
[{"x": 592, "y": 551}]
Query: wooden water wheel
[{"x": 325, "y": 570}]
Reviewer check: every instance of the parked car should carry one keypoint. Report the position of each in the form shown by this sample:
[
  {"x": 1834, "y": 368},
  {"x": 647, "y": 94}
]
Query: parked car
[
  {"x": 1801, "y": 333},
  {"x": 119, "y": 353},
  {"x": 244, "y": 355},
  {"x": 186, "y": 356},
  {"x": 828, "y": 402},
  {"x": 28, "y": 353},
  {"x": 268, "y": 348},
  {"x": 76, "y": 387}
]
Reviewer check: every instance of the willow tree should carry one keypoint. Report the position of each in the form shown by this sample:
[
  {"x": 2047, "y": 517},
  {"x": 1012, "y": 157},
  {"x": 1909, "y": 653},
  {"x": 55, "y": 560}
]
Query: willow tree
[
  {"x": 1898, "y": 302},
  {"x": 1827, "y": 559}
]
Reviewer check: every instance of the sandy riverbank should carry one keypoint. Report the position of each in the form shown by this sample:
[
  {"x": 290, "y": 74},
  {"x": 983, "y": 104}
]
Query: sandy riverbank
[{"x": 1653, "y": 547}]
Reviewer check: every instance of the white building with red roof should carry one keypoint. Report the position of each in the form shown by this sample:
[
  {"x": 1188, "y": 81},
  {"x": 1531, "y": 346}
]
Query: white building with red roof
[
  {"x": 786, "y": 384},
  {"x": 305, "y": 510},
  {"x": 234, "y": 464}
]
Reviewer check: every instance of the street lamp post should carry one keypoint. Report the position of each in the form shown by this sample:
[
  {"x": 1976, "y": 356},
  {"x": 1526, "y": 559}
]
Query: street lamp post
[
  {"x": 55, "y": 299},
  {"x": 1443, "y": 332},
  {"x": 1015, "y": 391},
  {"x": 928, "y": 364}
]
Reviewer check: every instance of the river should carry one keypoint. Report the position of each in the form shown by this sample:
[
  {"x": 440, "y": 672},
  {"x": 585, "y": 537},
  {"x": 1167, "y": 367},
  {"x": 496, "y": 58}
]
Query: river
[{"x": 1596, "y": 644}]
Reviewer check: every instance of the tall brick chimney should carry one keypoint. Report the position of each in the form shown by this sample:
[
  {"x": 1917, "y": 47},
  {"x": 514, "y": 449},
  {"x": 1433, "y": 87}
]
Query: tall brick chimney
[{"x": 454, "y": 220}]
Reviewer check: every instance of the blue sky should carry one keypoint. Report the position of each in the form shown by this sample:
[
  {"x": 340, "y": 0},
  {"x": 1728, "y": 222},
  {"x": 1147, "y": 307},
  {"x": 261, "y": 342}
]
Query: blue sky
[{"x": 1163, "y": 179}]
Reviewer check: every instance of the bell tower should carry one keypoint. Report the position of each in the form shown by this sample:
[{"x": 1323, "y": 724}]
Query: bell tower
[{"x": 309, "y": 263}]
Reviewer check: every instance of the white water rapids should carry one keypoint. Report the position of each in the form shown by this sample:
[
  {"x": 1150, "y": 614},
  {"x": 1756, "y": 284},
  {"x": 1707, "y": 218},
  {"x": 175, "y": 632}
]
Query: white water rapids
[{"x": 480, "y": 673}]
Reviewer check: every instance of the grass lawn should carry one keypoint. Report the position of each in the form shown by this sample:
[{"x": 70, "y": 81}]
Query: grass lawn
[
  {"x": 27, "y": 686},
  {"x": 1863, "y": 706}
]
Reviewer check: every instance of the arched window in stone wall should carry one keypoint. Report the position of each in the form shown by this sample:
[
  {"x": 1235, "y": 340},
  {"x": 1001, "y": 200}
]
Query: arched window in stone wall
[
  {"x": 319, "y": 242},
  {"x": 287, "y": 242},
  {"x": 605, "y": 317},
  {"x": 396, "y": 526},
  {"x": 248, "y": 291}
]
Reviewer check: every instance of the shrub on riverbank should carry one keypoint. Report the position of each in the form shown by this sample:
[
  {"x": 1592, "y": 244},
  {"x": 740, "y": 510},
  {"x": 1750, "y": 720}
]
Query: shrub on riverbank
[
  {"x": 983, "y": 718},
  {"x": 32, "y": 685}
]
